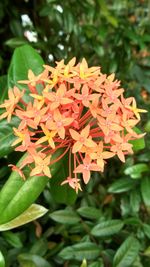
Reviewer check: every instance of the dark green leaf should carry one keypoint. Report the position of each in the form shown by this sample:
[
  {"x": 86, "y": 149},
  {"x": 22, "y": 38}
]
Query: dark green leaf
[
  {"x": 122, "y": 185},
  {"x": 127, "y": 253},
  {"x": 26, "y": 259},
  {"x": 65, "y": 216},
  {"x": 13, "y": 239},
  {"x": 135, "y": 200},
  {"x": 89, "y": 212},
  {"x": 24, "y": 58},
  {"x": 107, "y": 228},
  {"x": 145, "y": 190},
  {"x": 7, "y": 136},
  {"x": 146, "y": 229},
  {"x": 3, "y": 86},
  {"x": 16, "y": 41},
  {"x": 62, "y": 193},
  {"x": 87, "y": 250}
]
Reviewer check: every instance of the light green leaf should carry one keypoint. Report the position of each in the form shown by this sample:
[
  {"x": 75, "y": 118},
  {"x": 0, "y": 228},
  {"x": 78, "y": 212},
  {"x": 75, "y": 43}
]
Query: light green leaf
[
  {"x": 127, "y": 253},
  {"x": 17, "y": 195},
  {"x": 2, "y": 260},
  {"x": 32, "y": 213},
  {"x": 136, "y": 170},
  {"x": 87, "y": 250},
  {"x": 65, "y": 216},
  {"x": 138, "y": 144},
  {"x": 107, "y": 228}
]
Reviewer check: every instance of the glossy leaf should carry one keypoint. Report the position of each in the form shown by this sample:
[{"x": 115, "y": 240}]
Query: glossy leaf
[
  {"x": 127, "y": 253},
  {"x": 87, "y": 250},
  {"x": 26, "y": 259},
  {"x": 7, "y": 136},
  {"x": 138, "y": 144},
  {"x": 145, "y": 190},
  {"x": 13, "y": 239},
  {"x": 122, "y": 185},
  {"x": 17, "y": 195},
  {"x": 136, "y": 171},
  {"x": 146, "y": 229},
  {"x": 65, "y": 216},
  {"x": 32, "y": 213},
  {"x": 62, "y": 193},
  {"x": 2, "y": 260},
  {"x": 89, "y": 212},
  {"x": 3, "y": 86},
  {"x": 107, "y": 228},
  {"x": 24, "y": 58}
]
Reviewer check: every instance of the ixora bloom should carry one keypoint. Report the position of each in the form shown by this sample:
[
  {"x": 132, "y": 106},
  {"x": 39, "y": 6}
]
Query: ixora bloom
[{"x": 76, "y": 108}]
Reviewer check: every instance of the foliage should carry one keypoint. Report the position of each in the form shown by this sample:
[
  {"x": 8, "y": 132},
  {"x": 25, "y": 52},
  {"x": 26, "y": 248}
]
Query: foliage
[{"x": 108, "y": 225}]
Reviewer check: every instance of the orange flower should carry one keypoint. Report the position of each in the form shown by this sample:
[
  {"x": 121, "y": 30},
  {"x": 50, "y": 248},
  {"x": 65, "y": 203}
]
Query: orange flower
[
  {"x": 41, "y": 166},
  {"x": 85, "y": 97},
  {"x": 59, "y": 123},
  {"x": 81, "y": 139},
  {"x": 18, "y": 170},
  {"x": 14, "y": 96},
  {"x": 100, "y": 155},
  {"x": 58, "y": 98},
  {"x": 86, "y": 168},
  {"x": 48, "y": 136},
  {"x": 73, "y": 183},
  {"x": 135, "y": 110},
  {"x": 77, "y": 109}
]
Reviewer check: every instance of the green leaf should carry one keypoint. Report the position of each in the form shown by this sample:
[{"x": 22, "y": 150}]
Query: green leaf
[
  {"x": 107, "y": 228},
  {"x": 65, "y": 216},
  {"x": 24, "y": 58},
  {"x": 135, "y": 201},
  {"x": 138, "y": 144},
  {"x": 7, "y": 136},
  {"x": 84, "y": 263},
  {"x": 3, "y": 86},
  {"x": 146, "y": 229},
  {"x": 136, "y": 171},
  {"x": 16, "y": 41},
  {"x": 145, "y": 191},
  {"x": 27, "y": 259},
  {"x": 87, "y": 250},
  {"x": 33, "y": 212},
  {"x": 127, "y": 253},
  {"x": 89, "y": 212},
  {"x": 13, "y": 239},
  {"x": 122, "y": 185},
  {"x": 62, "y": 193},
  {"x": 2, "y": 260},
  {"x": 17, "y": 195}
]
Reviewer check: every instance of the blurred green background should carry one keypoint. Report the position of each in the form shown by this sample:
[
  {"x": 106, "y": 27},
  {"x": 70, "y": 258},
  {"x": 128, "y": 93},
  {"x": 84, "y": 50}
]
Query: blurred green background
[{"x": 109, "y": 224}]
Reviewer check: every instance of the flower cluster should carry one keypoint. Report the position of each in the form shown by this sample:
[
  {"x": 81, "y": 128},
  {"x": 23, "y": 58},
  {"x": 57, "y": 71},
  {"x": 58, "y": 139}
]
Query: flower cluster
[{"x": 76, "y": 108}]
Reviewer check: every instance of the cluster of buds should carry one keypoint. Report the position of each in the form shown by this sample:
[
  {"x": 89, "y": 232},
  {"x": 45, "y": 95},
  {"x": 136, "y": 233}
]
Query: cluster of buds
[{"x": 76, "y": 108}]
